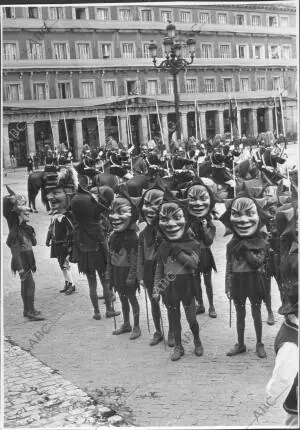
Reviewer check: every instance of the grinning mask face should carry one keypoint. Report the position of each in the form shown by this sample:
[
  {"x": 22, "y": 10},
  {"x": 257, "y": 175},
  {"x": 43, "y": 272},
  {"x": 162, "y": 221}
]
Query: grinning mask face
[
  {"x": 58, "y": 200},
  {"x": 152, "y": 200},
  {"x": 244, "y": 217},
  {"x": 172, "y": 220},
  {"x": 121, "y": 214},
  {"x": 199, "y": 201}
]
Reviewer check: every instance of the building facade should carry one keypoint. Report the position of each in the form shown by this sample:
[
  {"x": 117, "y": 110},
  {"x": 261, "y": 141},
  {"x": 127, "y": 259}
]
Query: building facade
[{"x": 79, "y": 74}]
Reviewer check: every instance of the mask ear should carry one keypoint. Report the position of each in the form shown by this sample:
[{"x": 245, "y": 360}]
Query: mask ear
[
  {"x": 227, "y": 203},
  {"x": 11, "y": 192},
  {"x": 136, "y": 200}
]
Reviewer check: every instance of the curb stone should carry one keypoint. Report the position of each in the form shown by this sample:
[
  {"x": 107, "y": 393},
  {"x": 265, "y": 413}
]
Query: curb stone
[{"x": 45, "y": 404}]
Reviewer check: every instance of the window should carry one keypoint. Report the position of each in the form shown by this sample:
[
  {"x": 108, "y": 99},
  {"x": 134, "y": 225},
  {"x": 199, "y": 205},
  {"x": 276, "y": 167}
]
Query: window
[
  {"x": 209, "y": 85},
  {"x": 9, "y": 12},
  {"x": 80, "y": 13},
  {"x": 206, "y": 49},
  {"x": 13, "y": 92},
  {"x": 33, "y": 12},
  {"x": 61, "y": 51},
  {"x": 35, "y": 50},
  {"x": 64, "y": 90},
  {"x": 152, "y": 87},
  {"x": 10, "y": 51},
  {"x": 191, "y": 85},
  {"x": 240, "y": 19},
  {"x": 256, "y": 21},
  {"x": 272, "y": 21},
  {"x": 243, "y": 51},
  {"x": 185, "y": 16},
  {"x": 286, "y": 52},
  {"x": 258, "y": 52},
  {"x": 110, "y": 88},
  {"x": 222, "y": 18},
  {"x": 170, "y": 86},
  {"x": 87, "y": 89},
  {"x": 146, "y": 53},
  {"x": 105, "y": 51},
  {"x": 40, "y": 91},
  {"x": 185, "y": 51},
  {"x": 277, "y": 83},
  {"x": 261, "y": 83},
  {"x": 146, "y": 15},
  {"x": 56, "y": 13},
  {"x": 225, "y": 51},
  {"x": 124, "y": 15},
  {"x": 166, "y": 15},
  {"x": 203, "y": 18},
  {"x": 102, "y": 13},
  {"x": 274, "y": 52},
  {"x": 128, "y": 50},
  {"x": 227, "y": 85},
  {"x": 284, "y": 21},
  {"x": 83, "y": 51},
  {"x": 244, "y": 84}
]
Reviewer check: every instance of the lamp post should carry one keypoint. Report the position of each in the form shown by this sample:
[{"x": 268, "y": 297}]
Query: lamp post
[{"x": 173, "y": 63}]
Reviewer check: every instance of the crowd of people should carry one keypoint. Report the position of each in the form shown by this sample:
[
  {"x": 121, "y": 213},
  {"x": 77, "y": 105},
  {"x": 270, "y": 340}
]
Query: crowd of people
[{"x": 161, "y": 242}]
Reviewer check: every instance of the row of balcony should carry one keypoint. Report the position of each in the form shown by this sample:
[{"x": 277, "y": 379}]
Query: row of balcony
[
  {"x": 68, "y": 25},
  {"x": 145, "y": 63}
]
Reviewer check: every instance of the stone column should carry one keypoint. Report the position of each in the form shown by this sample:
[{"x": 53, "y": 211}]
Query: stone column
[
  {"x": 239, "y": 123},
  {"x": 123, "y": 130},
  {"x": 30, "y": 138},
  {"x": 253, "y": 121},
  {"x": 202, "y": 124},
  {"x": 78, "y": 138},
  {"x": 6, "y": 149},
  {"x": 184, "y": 129},
  {"x": 143, "y": 129},
  {"x": 164, "y": 125},
  {"x": 269, "y": 118},
  {"x": 101, "y": 132},
  {"x": 55, "y": 132},
  {"x": 220, "y": 122}
]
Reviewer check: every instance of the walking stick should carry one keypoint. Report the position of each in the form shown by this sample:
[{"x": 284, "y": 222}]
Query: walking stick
[
  {"x": 147, "y": 310},
  {"x": 230, "y": 313},
  {"x": 113, "y": 308}
]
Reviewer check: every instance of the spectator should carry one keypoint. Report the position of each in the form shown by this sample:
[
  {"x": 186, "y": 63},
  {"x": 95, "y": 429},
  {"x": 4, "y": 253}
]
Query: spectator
[
  {"x": 29, "y": 164},
  {"x": 13, "y": 162},
  {"x": 36, "y": 160}
]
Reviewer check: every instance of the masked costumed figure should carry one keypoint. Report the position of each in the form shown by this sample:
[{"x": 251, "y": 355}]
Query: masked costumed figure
[
  {"x": 201, "y": 204},
  {"x": 285, "y": 374},
  {"x": 91, "y": 249},
  {"x": 60, "y": 188},
  {"x": 21, "y": 238},
  {"x": 245, "y": 265},
  {"x": 177, "y": 263},
  {"x": 147, "y": 252},
  {"x": 121, "y": 270}
]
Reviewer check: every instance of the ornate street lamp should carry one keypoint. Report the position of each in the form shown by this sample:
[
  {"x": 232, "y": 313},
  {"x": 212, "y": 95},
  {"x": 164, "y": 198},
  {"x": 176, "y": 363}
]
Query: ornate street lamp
[{"x": 173, "y": 63}]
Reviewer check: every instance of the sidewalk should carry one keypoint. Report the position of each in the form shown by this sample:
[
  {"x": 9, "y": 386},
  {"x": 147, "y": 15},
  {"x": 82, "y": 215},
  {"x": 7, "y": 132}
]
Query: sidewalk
[{"x": 37, "y": 396}]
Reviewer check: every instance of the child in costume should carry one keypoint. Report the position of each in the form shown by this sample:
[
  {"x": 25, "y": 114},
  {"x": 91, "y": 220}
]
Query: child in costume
[
  {"x": 91, "y": 248},
  {"x": 147, "y": 254},
  {"x": 121, "y": 270},
  {"x": 201, "y": 204},
  {"x": 21, "y": 239},
  {"x": 177, "y": 263},
  {"x": 60, "y": 188},
  {"x": 284, "y": 379},
  {"x": 245, "y": 270}
]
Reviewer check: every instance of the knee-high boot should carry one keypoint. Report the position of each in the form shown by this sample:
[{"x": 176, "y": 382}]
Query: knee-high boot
[
  {"x": 256, "y": 315},
  {"x": 268, "y": 302},
  {"x": 209, "y": 292},
  {"x": 156, "y": 316},
  {"x": 190, "y": 312},
  {"x": 175, "y": 315},
  {"x": 110, "y": 311},
  {"x": 92, "y": 281},
  {"x": 136, "y": 331},
  {"x": 200, "y": 309},
  {"x": 24, "y": 299},
  {"x": 125, "y": 327},
  {"x": 239, "y": 347},
  {"x": 29, "y": 290}
]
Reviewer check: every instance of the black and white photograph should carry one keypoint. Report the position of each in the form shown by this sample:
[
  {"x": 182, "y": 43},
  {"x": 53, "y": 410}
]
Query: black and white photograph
[{"x": 149, "y": 215}]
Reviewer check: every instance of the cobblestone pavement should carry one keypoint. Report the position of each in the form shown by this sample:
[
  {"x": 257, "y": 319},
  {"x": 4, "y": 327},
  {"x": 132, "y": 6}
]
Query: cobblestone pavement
[
  {"x": 38, "y": 396},
  {"x": 137, "y": 381}
]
